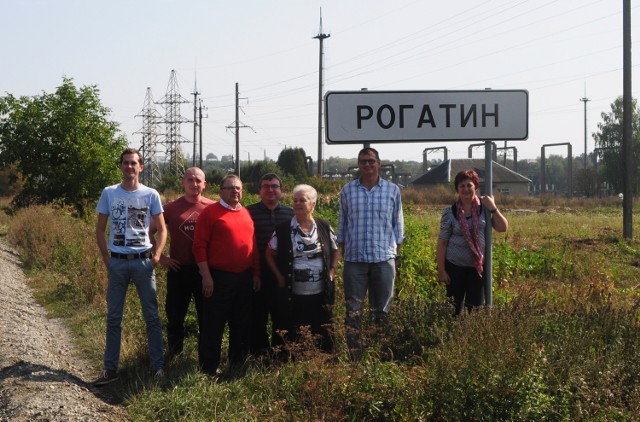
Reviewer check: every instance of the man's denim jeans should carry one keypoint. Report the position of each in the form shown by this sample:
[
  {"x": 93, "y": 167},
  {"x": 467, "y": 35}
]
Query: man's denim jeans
[
  {"x": 360, "y": 277},
  {"x": 141, "y": 273}
]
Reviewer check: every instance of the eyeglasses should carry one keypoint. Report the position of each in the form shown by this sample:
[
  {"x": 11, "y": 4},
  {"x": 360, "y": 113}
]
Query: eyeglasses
[
  {"x": 466, "y": 185},
  {"x": 370, "y": 161},
  {"x": 274, "y": 186},
  {"x": 235, "y": 188}
]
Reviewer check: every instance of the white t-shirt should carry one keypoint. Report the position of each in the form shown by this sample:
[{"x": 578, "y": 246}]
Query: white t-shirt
[{"x": 129, "y": 214}]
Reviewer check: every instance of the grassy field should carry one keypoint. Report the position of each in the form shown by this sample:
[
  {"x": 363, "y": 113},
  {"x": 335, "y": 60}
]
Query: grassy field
[{"x": 561, "y": 341}]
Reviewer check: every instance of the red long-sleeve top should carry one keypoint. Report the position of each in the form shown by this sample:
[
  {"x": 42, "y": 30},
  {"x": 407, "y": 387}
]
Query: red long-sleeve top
[{"x": 225, "y": 239}]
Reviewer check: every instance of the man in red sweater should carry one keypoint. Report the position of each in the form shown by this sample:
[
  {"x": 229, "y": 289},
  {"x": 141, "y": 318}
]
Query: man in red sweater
[{"x": 226, "y": 252}]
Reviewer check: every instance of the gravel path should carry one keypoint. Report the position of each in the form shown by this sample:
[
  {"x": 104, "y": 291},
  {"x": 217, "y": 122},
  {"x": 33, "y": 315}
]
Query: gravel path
[{"x": 42, "y": 375}]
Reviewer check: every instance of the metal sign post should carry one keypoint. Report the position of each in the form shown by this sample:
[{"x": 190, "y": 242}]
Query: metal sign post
[{"x": 488, "y": 234}]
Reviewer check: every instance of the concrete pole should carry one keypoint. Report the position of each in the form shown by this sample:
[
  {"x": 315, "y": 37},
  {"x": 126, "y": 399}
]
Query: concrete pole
[
  {"x": 320, "y": 37},
  {"x": 628, "y": 175}
]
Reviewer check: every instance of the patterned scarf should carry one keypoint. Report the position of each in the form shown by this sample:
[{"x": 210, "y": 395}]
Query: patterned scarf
[{"x": 472, "y": 236}]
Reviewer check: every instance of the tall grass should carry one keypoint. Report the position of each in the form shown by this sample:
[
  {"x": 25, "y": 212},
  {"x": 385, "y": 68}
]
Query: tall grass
[
  {"x": 561, "y": 342},
  {"x": 53, "y": 241}
]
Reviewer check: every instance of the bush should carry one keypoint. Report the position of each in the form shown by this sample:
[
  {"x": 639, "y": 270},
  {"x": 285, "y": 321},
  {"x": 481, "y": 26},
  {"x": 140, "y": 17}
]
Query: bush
[{"x": 52, "y": 239}]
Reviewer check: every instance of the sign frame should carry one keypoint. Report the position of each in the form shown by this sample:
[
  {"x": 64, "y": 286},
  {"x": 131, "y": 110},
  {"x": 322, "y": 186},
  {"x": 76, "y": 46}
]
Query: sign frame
[{"x": 355, "y": 117}]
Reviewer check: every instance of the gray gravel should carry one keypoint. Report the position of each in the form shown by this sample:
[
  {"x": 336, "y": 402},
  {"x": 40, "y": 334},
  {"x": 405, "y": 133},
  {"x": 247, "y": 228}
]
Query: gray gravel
[{"x": 42, "y": 375}]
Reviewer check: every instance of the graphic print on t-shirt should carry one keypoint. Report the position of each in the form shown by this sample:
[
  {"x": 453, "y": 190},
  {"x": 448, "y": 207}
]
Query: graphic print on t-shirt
[
  {"x": 188, "y": 226},
  {"x": 129, "y": 221}
]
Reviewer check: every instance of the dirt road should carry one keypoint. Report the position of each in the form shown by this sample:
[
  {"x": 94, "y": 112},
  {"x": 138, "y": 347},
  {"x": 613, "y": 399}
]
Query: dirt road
[{"x": 42, "y": 375}]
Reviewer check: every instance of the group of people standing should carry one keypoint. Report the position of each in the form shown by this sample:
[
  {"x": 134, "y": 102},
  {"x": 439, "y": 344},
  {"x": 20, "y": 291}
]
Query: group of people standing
[{"x": 243, "y": 265}]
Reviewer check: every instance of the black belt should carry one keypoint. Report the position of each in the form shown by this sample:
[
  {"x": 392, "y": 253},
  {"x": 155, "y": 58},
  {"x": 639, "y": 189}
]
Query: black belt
[{"x": 142, "y": 255}]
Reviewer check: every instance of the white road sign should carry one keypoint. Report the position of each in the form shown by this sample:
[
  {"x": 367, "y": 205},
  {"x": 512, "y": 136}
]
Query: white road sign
[{"x": 422, "y": 116}]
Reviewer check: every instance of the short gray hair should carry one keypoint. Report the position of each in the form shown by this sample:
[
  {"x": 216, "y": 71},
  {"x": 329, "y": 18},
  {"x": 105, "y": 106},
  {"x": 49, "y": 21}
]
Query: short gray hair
[{"x": 307, "y": 190}]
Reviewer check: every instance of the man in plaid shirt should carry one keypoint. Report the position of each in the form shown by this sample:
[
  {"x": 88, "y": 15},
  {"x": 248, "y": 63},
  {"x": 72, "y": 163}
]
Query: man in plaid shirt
[{"x": 370, "y": 231}]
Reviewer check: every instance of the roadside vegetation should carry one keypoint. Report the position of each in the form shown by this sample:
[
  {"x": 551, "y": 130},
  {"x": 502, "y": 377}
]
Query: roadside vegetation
[{"x": 561, "y": 341}]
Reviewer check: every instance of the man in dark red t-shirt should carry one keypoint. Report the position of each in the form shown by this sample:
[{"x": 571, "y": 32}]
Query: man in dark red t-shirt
[{"x": 183, "y": 277}]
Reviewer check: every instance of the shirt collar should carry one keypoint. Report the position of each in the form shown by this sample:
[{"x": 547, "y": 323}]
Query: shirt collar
[
  {"x": 227, "y": 206},
  {"x": 295, "y": 224},
  {"x": 379, "y": 182},
  {"x": 263, "y": 206}
]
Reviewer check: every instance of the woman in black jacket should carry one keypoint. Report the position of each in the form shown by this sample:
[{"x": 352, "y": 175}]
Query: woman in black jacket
[{"x": 303, "y": 255}]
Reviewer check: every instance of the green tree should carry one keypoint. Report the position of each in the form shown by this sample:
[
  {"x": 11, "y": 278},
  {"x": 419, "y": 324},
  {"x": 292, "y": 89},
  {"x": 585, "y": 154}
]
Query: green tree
[
  {"x": 586, "y": 182},
  {"x": 10, "y": 181},
  {"x": 609, "y": 140},
  {"x": 253, "y": 172},
  {"x": 62, "y": 143},
  {"x": 294, "y": 162}
]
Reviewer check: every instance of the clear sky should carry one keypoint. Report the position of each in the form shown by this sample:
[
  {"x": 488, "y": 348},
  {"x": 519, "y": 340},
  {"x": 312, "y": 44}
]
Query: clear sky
[{"x": 559, "y": 51}]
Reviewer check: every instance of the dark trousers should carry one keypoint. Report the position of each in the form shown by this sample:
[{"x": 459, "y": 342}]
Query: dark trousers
[
  {"x": 182, "y": 285},
  {"x": 312, "y": 312},
  {"x": 230, "y": 303},
  {"x": 264, "y": 306},
  {"x": 466, "y": 287}
]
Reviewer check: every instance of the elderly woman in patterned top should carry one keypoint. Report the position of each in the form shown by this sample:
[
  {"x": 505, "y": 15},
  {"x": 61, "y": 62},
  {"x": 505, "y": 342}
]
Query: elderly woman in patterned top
[
  {"x": 461, "y": 242},
  {"x": 303, "y": 255}
]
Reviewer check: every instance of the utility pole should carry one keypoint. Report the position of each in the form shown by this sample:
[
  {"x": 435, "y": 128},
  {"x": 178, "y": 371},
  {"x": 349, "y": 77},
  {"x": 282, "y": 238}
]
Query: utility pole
[
  {"x": 237, "y": 131},
  {"x": 237, "y": 125},
  {"x": 200, "y": 125},
  {"x": 195, "y": 121},
  {"x": 320, "y": 37},
  {"x": 627, "y": 128},
  {"x": 585, "y": 99}
]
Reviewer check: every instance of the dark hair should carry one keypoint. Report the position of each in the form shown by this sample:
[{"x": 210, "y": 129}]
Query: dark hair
[
  {"x": 131, "y": 151},
  {"x": 227, "y": 177},
  {"x": 269, "y": 176},
  {"x": 467, "y": 174},
  {"x": 368, "y": 150}
]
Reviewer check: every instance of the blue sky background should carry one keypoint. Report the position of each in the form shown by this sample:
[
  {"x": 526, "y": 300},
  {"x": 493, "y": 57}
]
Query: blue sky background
[{"x": 558, "y": 50}]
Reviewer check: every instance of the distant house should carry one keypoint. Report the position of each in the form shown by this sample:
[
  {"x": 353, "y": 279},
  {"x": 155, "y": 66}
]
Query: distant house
[{"x": 504, "y": 180}]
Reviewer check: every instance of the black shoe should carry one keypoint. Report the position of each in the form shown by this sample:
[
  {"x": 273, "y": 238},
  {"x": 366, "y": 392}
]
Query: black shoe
[{"x": 107, "y": 376}]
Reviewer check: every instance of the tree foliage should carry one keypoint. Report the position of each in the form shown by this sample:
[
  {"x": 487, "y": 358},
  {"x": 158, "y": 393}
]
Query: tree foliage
[
  {"x": 62, "y": 143},
  {"x": 10, "y": 181},
  {"x": 252, "y": 173},
  {"x": 609, "y": 140},
  {"x": 294, "y": 162}
]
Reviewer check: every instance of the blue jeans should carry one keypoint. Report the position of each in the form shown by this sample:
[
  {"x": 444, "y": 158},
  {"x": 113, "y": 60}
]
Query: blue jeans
[
  {"x": 140, "y": 272},
  {"x": 378, "y": 278}
]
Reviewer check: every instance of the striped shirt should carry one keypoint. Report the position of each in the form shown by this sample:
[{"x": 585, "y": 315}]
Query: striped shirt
[
  {"x": 265, "y": 221},
  {"x": 371, "y": 224},
  {"x": 458, "y": 251}
]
